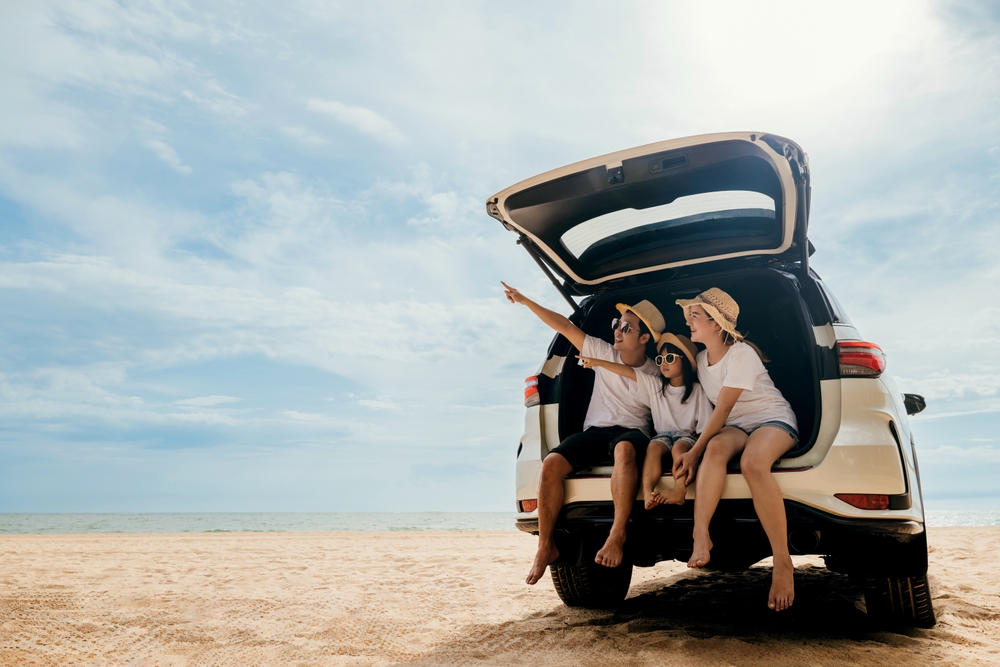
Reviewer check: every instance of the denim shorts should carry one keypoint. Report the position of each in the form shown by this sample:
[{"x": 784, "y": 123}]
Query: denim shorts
[
  {"x": 787, "y": 428},
  {"x": 669, "y": 438}
]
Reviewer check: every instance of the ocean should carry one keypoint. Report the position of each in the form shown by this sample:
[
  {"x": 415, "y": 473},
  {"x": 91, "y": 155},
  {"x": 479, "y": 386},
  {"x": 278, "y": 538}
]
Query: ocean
[
  {"x": 320, "y": 522},
  {"x": 255, "y": 522}
]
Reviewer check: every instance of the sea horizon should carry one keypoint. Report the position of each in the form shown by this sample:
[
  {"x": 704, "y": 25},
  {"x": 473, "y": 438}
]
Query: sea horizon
[{"x": 55, "y": 523}]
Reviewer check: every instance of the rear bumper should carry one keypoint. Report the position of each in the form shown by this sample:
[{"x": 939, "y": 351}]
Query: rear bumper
[{"x": 862, "y": 546}]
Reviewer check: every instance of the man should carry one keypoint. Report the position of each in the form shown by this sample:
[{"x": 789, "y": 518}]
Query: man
[{"x": 616, "y": 425}]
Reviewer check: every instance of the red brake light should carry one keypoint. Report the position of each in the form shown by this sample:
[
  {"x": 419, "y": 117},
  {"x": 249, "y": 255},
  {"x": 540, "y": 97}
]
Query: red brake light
[
  {"x": 527, "y": 505},
  {"x": 531, "y": 396},
  {"x": 859, "y": 359},
  {"x": 865, "y": 501}
]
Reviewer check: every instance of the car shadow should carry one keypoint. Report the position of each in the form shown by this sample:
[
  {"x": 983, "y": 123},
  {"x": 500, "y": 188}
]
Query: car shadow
[{"x": 707, "y": 617}]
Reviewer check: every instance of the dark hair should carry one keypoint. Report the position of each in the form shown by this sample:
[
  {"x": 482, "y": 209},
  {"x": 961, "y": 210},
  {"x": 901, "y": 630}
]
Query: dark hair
[{"x": 687, "y": 373}]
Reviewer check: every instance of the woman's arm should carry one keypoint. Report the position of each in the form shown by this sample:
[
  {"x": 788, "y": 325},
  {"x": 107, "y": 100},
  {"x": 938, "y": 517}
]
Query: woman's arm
[
  {"x": 560, "y": 323},
  {"x": 620, "y": 369},
  {"x": 687, "y": 463}
]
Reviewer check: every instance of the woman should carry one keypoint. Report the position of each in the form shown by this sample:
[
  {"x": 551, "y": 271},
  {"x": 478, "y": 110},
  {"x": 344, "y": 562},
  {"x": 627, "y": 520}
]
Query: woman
[{"x": 750, "y": 417}]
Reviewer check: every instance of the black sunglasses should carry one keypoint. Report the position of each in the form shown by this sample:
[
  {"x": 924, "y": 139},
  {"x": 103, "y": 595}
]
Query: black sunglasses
[
  {"x": 619, "y": 323},
  {"x": 669, "y": 358}
]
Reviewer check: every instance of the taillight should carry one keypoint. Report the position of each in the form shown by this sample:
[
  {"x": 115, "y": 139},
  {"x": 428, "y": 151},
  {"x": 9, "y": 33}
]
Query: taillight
[
  {"x": 865, "y": 501},
  {"x": 531, "y": 397},
  {"x": 858, "y": 359},
  {"x": 527, "y": 505}
]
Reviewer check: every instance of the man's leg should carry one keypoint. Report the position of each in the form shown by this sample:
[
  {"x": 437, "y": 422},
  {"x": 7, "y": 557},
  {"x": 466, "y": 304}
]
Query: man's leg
[
  {"x": 624, "y": 489},
  {"x": 764, "y": 447},
  {"x": 550, "y": 501}
]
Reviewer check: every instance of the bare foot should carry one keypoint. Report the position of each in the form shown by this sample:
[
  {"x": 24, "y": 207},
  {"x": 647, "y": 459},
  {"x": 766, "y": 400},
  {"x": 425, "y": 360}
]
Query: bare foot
[
  {"x": 782, "y": 584},
  {"x": 701, "y": 553},
  {"x": 610, "y": 554},
  {"x": 658, "y": 498},
  {"x": 676, "y": 495},
  {"x": 543, "y": 557},
  {"x": 650, "y": 496}
]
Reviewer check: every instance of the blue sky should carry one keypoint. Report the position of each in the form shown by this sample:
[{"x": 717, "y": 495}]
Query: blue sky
[{"x": 244, "y": 261}]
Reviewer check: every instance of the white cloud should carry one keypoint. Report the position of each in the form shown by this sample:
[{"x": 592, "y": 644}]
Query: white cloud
[
  {"x": 304, "y": 135},
  {"x": 953, "y": 385},
  {"x": 960, "y": 456},
  {"x": 361, "y": 119},
  {"x": 305, "y": 416},
  {"x": 208, "y": 401},
  {"x": 219, "y": 101},
  {"x": 168, "y": 155},
  {"x": 379, "y": 405}
]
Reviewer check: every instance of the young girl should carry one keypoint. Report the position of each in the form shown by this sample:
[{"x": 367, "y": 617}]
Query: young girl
[
  {"x": 678, "y": 405},
  {"x": 750, "y": 416}
]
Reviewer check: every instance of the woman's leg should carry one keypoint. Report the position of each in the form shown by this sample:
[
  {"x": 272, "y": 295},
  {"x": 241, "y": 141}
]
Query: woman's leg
[
  {"x": 652, "y": 471},
  {"x": 709, "y": 483},
  {"x": 764, "y": 447}
]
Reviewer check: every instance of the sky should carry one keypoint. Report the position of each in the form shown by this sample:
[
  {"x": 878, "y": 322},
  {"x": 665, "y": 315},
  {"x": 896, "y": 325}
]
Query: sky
[{"x": 245, "y": 263}]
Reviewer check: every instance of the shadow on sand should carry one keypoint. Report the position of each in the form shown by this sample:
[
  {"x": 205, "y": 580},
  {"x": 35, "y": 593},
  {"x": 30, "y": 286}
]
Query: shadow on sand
[{"x": 697, "y": 618}]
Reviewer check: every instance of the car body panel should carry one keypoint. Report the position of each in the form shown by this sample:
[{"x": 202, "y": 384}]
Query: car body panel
[
  {"x": 863, "y": 459},
  {"x": 557, "y": 201}
]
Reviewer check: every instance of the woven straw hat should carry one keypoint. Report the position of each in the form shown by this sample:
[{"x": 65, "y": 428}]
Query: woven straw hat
[
  {"x": 721, "y": 307},
  {"x": 649, "y": 314},
  {"x": 682, "y": 343}
]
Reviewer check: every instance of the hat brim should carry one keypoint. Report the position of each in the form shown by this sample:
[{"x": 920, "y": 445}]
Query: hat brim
[
  {"x": 689, "y": 350},
  {"x": 653, "y": 333},
  {"x": 713, "y": 312}
]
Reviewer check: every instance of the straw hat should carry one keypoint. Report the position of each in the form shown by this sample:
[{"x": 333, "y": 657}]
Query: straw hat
[
  {"x": 682, "y": 343},
  {"x": 649, "y": 314},
  {"x": 720, "y": 307}
]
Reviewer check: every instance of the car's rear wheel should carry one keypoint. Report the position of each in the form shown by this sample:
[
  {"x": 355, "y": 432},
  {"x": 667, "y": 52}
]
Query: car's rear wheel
[
  {"x": 899, "y": 601},
  {"x": 591, "y": 585}
]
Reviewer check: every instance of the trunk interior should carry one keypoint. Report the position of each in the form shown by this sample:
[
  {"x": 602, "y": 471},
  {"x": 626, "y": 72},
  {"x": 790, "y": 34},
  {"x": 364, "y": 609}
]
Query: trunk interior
[{"x": 772, "y": 315}]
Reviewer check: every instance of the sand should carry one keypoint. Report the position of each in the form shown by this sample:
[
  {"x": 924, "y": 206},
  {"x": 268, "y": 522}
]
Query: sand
[{"x": 449, "y": 598}]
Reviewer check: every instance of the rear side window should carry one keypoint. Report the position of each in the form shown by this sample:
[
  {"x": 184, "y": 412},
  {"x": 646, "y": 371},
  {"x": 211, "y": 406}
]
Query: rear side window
[{"x": 839, "y": 314}]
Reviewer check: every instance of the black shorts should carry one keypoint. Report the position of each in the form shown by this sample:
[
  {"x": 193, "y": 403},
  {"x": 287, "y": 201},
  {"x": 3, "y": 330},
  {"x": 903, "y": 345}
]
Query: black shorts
[{"x": 596, "y": 446}]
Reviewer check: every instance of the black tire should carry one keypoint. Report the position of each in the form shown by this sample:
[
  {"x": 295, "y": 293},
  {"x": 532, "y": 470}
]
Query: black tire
[
  {"x": 899, "y": 601},
  {"x": 591, "y": 585}
]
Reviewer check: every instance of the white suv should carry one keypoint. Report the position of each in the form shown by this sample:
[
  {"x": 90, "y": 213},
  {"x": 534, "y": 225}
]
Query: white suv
[{"x": 667, "y": 221}]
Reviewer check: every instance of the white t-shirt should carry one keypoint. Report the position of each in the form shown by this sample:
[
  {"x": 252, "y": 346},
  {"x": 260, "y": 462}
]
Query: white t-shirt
[
  {"x": 760, "y": 400},
  {"x": 669, "y": 414},
  {"x": 613, "y": 403}
]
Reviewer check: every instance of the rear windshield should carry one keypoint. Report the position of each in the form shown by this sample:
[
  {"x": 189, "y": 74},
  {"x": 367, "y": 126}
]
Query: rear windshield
[
  {"x": 708, "y": 215},
  {"x": 701, "y": 202}
]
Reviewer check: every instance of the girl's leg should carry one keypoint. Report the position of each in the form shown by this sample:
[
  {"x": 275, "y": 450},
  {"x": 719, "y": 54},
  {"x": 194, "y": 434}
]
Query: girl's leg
[
  {"x": 677, "y": 494},
  {"x": 709, "y": 483},
  {"x": 764, "y": 447},
  {"x": 652, "y": 471}
]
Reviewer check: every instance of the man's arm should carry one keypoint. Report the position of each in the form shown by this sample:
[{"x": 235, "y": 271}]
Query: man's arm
[
  {"x": 560, "y": 323},
  {"x": 620, "y": 369}
]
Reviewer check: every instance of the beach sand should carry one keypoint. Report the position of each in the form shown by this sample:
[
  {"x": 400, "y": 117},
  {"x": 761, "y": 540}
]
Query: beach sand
[{"x": 449, "y": 598}]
